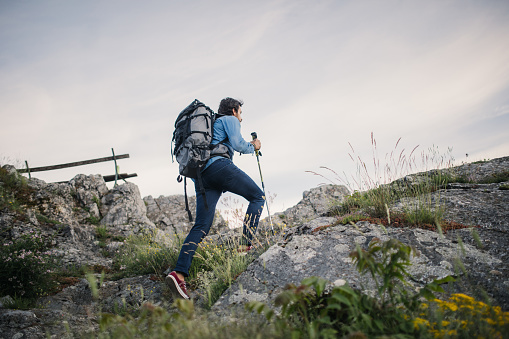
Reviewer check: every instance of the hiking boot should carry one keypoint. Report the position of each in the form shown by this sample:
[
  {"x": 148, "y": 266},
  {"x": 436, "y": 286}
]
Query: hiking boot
[{"x": 177, "y": 286}]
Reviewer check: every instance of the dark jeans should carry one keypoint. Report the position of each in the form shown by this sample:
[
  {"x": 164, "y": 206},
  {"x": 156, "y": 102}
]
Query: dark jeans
[{"x": 221, "y": 176}]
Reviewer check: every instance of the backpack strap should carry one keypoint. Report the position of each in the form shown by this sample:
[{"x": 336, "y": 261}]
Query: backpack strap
[{"x": 185, "y": 198}]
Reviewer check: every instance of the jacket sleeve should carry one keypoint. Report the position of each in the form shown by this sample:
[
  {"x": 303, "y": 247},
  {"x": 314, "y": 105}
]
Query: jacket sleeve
[{"x": 238, "y": 143}]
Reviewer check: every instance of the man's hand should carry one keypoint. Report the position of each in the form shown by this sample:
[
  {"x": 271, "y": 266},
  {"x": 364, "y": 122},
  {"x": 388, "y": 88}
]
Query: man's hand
[{"x": 257, "y": 144}]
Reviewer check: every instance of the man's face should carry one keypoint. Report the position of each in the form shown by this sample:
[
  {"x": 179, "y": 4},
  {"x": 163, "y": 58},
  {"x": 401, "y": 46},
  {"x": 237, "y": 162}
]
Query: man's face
[{"x": 238, "y": 113}]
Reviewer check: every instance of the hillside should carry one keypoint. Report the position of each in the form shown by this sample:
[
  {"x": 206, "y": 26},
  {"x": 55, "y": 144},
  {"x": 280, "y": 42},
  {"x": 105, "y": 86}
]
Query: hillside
[{"x": 86, "y": 225}]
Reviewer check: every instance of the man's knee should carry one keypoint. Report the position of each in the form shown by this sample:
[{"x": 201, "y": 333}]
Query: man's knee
[{"x": 259, "y": 197}]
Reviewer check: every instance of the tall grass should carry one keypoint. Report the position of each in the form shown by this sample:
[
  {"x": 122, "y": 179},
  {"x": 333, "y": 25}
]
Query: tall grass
[
  {"x": 216, "y": 263},
  {"x": 377, "y": 186}
]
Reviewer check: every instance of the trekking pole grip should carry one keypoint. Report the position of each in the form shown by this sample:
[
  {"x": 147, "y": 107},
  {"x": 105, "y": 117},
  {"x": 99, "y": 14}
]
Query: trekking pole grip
[{"x": 255, "y": 136}]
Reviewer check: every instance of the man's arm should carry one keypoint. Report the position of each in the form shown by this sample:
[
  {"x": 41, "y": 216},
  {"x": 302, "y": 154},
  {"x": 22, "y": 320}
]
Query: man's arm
[{"x": 238, "y": 143}]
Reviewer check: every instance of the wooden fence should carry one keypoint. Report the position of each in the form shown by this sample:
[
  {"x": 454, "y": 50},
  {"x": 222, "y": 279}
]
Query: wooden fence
[{"x": 106, "y": 178}]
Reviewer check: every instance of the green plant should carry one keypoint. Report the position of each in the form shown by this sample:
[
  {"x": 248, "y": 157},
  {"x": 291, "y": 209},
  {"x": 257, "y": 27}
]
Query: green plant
[
  {"x": 26, "y": 266},
  {"x": 71, "y": 270},
  {"x": 19, "y": 303},
  {"x": 310, "y": 313},
  {"x": 142, "y": 254},
  {"x": 495, "y": 178},
  {"x": 14, "y": 191},
  {"x": 155, "y": 322},
  {"x": 102, "y": 232},
  {"x": 96, "y": 200},
  {"x": 376, "y": 190},
  {"x": 93, "y": 220},
  {"x": 215, "y": 267},
  {"x": 44, "y": 219}
]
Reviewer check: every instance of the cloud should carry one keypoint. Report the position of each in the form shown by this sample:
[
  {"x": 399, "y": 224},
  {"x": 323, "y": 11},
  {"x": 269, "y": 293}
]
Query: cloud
[{"x": 500, "y": 111}]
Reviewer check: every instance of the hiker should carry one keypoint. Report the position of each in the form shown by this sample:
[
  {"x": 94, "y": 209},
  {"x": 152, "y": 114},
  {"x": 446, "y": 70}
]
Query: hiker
[{"x": 220, "y": 175}]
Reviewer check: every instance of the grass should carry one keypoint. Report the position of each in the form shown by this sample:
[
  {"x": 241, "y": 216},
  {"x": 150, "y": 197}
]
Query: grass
[
  {"x": 386, "y": 190},
  {"x": 15, "y": 194},
  {"x": 215, "y": 265}
]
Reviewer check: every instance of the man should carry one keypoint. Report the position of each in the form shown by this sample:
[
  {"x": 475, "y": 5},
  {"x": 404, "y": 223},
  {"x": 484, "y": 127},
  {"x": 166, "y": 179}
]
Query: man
[{"x": 220, "y": 175}]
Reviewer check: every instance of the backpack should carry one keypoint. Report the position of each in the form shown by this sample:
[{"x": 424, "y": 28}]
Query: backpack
[{"x": 191, "y": 144}]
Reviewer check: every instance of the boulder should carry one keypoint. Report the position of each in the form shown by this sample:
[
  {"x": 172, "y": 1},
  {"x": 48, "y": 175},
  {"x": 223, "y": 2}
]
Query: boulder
[
  {"x": 169, "y": 214},
  {"x": 315, "y": 203},
  {"x": 123, "y": 209},
  {"x": 319, "y": 249}
]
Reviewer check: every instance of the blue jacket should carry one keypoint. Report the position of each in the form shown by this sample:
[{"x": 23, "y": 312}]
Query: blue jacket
[{"x": 229, "y": 127}]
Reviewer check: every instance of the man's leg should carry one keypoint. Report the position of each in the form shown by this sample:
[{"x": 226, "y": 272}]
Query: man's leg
[
  {"x": 204, "y": 219},
  {"x": 238, "y": 182}
]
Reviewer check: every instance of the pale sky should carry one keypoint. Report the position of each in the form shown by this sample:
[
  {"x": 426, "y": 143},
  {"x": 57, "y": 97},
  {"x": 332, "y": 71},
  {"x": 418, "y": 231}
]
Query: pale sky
[{"x": 78, "y": 78}]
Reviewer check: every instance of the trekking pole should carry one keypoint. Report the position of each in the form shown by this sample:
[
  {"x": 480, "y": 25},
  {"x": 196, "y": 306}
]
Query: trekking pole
[{"x": 258, "y": 154}]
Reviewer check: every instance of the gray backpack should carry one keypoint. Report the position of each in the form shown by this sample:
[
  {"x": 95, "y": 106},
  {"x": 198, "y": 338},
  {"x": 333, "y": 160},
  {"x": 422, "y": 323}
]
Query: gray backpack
[{"x": 191, "y": 144}]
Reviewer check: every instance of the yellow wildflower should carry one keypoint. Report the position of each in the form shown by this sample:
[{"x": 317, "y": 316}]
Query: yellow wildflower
[
  {"x": 462, "y": 297},
  {"x": 418, "y": 322}
]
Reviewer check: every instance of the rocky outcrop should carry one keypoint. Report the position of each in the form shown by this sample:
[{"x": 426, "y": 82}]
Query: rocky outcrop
[
  {"x": 169, "y": 214},
  {"x": 77, "y": 307},
  {"x": 71, "y": 212},
  {"x": 321, "y": 249},
  {"x": 123, "y": 209},
  {"x": 315, "y": 203}
]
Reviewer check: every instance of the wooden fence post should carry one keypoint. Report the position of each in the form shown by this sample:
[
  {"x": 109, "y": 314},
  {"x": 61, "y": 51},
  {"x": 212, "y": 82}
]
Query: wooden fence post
[
  {"x": 28, "y": 170},
  {"x": 116, "y": 168}
]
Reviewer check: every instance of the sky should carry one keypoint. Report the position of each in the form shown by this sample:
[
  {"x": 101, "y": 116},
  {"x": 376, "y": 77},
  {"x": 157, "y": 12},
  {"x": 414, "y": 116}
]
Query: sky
[{"x": 318, "y": 80}]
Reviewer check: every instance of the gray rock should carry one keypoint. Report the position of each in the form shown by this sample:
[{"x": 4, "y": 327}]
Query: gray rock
[
  {"x": 315, "y": 203},
  {"x": 169, "y": 214},
  {"x": 20, "y": 324},
  {"x": 325, "y": 253},
  {"x": 123, "y": 208}
]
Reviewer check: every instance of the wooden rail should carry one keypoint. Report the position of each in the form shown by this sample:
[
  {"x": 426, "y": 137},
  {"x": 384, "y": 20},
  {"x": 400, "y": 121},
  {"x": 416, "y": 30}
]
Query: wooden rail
[
  {"x": 106, "y": 178},
  {"x": 72, "y": 164}
]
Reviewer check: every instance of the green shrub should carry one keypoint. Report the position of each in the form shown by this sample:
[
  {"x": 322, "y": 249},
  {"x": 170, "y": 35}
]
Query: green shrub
[
  {"x": 215, "y": 267},
  {"x": 93, "y": 220},
  {"x": 142, "y": 254},
  {"x": 495, "y": 178},
  {"x": 25, "y": 266},
  {"x": 14, "y": 191},
  {"x": 44, "y": 219},
  {"x": 101, "y": 232}
]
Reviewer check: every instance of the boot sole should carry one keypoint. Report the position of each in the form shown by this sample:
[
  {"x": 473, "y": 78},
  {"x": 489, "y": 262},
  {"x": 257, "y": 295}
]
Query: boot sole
[{"x": 175, "y": 288}]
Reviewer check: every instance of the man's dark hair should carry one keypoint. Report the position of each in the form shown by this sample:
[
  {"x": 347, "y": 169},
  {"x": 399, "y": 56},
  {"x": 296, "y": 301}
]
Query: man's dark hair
[{"x": 227, "y": 105}]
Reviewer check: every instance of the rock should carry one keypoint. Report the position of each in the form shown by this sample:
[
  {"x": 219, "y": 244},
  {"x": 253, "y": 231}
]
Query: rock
[
  {"x": 123, "y": 209},
  {"x": 169, "y": 214},
  {"x": 20, "y": 324},
  {"x": 6, "y": 301},
  {"x": 89, "y": 189},
  {"x": 324, "y": 252},
  {"x": 315, "y": 203}
]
